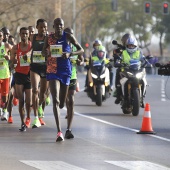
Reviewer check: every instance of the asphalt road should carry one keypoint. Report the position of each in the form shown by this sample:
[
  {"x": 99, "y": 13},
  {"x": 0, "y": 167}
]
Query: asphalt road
[{"x": 105, "y": 138}]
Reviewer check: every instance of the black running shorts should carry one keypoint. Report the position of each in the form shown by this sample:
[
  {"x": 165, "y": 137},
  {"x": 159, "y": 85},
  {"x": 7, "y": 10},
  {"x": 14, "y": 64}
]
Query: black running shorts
[{"x": 23, "y": 79}]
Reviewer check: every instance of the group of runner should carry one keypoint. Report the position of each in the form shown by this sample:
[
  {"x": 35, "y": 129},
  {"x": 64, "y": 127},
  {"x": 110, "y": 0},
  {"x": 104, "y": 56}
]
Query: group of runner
[{"x": 39, "y": 64}]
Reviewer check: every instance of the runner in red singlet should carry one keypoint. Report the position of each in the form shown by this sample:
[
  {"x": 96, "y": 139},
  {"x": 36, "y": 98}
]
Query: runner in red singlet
[{"x": 20, "y": 55}]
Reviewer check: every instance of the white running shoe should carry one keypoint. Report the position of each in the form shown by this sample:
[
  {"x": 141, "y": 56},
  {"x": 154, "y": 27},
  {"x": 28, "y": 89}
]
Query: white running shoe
[
  {"x": 1, "y": 112},
  {"x": 4, "y": 115}
]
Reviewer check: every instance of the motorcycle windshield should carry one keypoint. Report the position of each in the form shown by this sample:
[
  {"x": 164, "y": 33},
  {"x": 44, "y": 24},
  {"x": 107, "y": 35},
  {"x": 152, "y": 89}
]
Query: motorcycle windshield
[
  {"x": 97, "y": 63},
  {"x": 98, "y": 68}
]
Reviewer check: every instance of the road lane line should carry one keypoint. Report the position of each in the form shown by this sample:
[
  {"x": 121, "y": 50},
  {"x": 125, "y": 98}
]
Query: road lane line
[
  {"x": 163, "y": 96},
  {"x": 119, "y": 126},
  {"x": 51, "y": 165},
  {"x": 134, "y": 165}
]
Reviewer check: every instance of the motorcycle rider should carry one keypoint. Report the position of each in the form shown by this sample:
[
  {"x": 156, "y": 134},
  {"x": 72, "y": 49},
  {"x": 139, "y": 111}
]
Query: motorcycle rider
[
  {"x": 96, "y": 44},
  {"x": 131, "y": 52},
  {"x": 99, "y": 55},
  {"x": 116, "y": 55}
]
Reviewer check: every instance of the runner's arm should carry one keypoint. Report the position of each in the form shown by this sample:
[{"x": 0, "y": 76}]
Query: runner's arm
[
  {"x": 45, "y": 50},
  {"x": 73, "y": 41},
  {"x": 13, "y": 56},
  {"x": 80, "y": 60}
]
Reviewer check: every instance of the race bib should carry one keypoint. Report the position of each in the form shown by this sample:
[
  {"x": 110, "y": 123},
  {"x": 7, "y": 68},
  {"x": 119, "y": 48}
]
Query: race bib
[
  {"x": 56, "y": 50},
  {"x": 2, "y": 64},
  {"x": 25, "y": 60},
  {"x": 38, "y": 57}
]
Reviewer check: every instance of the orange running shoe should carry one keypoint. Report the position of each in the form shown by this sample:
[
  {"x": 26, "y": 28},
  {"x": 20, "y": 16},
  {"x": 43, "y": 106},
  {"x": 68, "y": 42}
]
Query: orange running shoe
[
  {"x": 41, "y": 121},
  {"x": 15, "y": 101},
  {"x": 28, "y": 122},
  {"x": 10, "y": 119}
]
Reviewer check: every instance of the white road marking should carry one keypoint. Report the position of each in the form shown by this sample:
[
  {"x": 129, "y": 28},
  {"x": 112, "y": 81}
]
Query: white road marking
[
  {"x": 163, "y": 96},
  {"x": 51, "y": 165},
  {"x": 119, "y": 126},
  {"x": 138, "y": 165}
]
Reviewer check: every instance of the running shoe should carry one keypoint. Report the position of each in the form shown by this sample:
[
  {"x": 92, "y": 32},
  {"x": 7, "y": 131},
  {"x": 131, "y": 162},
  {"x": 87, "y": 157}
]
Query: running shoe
[
  {"x": 59, "y": 137},
  {"x": 4, "y": 115},
  {"x": 47, "y": 101},
  {"x": 23, "y": 128},
  {"x": 10, "y": 119},
  {"x": 40, "y": 111},
  {"x": 69, "y": 135},
  {"x": 28, "y": 122},
  {"x": 36, "y": 123},
  {"x": 41, "y": 121},
  {"x": 115, "y": 93},
  {"x": 15, "y": 101},
  {"x": 1, "y": 111}
]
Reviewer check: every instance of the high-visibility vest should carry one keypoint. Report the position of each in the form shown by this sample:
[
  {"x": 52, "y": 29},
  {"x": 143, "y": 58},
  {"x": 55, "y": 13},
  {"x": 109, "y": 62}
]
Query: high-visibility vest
[
  {"x": 126, "y": 57},
  {"x": 95, "y": 58}
]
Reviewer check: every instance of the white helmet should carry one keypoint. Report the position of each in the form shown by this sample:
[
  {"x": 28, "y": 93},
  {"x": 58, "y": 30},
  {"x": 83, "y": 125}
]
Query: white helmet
[
  {"x": 96, "y": 43},
  {"x": 131, "y": 41}
]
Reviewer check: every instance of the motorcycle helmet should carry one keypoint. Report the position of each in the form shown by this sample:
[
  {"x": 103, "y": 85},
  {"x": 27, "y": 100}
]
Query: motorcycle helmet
[
  {"x": 131, "y": 44},
  {"x": 124, "y": 38},
  {"x": 101, "y": 52},
  {"x": 96, "y": 43}
]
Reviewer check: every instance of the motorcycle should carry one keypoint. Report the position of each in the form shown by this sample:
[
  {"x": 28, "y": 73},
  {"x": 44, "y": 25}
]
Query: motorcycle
[
  {"x": 99, "y": 82},
  {"x": 133, "y": 85}
]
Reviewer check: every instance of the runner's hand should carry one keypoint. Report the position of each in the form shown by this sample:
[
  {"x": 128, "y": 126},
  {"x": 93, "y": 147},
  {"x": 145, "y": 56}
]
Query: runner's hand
[
  {"x": 7, "y": 57},
  {"x": 65, "y": 55}
]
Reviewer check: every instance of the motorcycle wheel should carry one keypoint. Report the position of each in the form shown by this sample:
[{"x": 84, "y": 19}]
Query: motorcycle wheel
[
  {"x": 125, "y": 111},
  {"x": 135, "y": 102},
  {"x": 99, "y": 96}
]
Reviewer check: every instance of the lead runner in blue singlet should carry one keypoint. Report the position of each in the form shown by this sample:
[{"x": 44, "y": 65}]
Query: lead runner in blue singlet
[{"x": 57, "y": 51}]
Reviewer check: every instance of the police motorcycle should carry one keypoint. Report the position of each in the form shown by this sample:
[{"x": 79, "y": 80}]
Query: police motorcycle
[
  {"x": 98, "y": 78},
  {"x": 133, "y": 84}
]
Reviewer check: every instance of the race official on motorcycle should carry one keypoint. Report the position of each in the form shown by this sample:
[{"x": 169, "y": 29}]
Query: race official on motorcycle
[
  {"x": 131, "y": 52},
  {"x": 117, "y": 56},
  {"x": 99, "y": 55},
  {"x": 96, "y": 44}
]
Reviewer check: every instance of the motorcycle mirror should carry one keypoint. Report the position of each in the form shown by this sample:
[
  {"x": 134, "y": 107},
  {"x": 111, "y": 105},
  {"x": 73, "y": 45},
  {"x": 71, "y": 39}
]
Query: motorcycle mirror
[
  {"x": 114, "y": 42},
  {"x": 118, "y": 50},
  {"x": 149, "y": 57},
  {"x": 157, "y": 64}
]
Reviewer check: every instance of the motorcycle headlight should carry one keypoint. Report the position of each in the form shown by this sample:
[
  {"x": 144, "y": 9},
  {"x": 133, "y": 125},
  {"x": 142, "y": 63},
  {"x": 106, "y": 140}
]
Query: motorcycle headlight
[
  {"x": 102, "y": 76},
  {"x": 139, "y": 75},
  {"x": 94, "y": 76}
]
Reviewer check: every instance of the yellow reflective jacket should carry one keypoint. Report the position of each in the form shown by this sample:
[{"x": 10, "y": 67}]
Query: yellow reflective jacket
[
  {"x": 95, "y": 58},
  {"x": 126, "y": 57}
]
